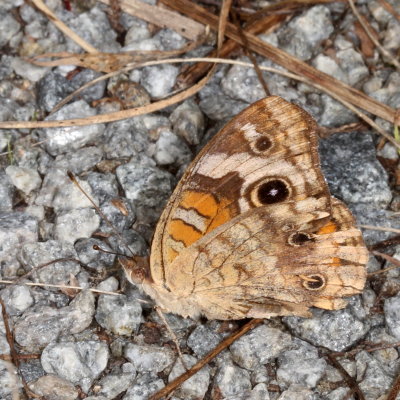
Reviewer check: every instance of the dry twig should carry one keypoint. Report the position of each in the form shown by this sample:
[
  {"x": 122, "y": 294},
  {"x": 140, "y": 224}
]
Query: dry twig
[
  {"x": 370, "y": 34},
  {"x": 64, "y": 28}
]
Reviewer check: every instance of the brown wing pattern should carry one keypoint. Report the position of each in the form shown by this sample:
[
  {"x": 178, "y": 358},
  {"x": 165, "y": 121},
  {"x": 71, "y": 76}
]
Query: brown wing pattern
[
  {"x": 279, "y": 264},
  {"x": 251, "y": 229},
  {"x": 265, "y": 155}
]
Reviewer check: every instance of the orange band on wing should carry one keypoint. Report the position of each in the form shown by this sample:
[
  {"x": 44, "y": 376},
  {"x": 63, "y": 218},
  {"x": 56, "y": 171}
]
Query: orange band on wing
[
  {"x": 336, "y": 262},
  {"x": 330, "y": 227},
  {"x": 182, "y": 232},
  {"x": 196, "y": 214},
  {"x": 203, "y": 203}
]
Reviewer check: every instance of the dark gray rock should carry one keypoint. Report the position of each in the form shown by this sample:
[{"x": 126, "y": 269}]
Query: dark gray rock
[
  {"x": 352, "y": 170},
  {"x": 147, "y": 187},
  {"x": 51, "y": 89}
]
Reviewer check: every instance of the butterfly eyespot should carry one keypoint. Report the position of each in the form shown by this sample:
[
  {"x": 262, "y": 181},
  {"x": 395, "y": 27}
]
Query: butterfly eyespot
[
  {"x": 300, "y": 238},
  {"x": 262, "y": 144},
  {"x": 314, "y": 281},
  {"x": 273, "y": 191}
]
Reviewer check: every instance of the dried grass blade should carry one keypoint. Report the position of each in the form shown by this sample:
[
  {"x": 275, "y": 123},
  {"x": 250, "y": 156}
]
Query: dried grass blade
[
  {"x": 64, "y": 28},
  {"x": 288, "y": 61}
]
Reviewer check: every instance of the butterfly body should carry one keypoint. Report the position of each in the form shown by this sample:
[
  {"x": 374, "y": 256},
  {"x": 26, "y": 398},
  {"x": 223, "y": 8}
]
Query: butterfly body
[{"x": 251, "y": 229}]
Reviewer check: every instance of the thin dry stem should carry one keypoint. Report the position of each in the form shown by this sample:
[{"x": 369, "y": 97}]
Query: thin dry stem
[
  {"x": 64, "y": 28},
  {"x": 7, "y": 282},
  {"x": 380, "y": 228},
  {"x": 370, "y": 34}
]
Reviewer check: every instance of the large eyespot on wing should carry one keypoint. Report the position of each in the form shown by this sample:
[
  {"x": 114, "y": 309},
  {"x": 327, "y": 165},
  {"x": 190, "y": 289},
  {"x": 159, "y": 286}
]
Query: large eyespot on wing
[{"x": 265, "y": 156}]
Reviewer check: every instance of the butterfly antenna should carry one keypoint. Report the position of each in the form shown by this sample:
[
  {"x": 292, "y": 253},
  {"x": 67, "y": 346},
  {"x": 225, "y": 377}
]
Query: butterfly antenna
[{"x": 71, "y": 176}]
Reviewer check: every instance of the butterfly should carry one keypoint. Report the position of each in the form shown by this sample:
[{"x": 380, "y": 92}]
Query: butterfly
[{"x": 251, "y": 229}]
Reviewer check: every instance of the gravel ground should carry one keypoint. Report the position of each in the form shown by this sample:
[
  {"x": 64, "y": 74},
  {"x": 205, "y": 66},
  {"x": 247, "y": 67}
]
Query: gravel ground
[{"x": 104, "y": 346}]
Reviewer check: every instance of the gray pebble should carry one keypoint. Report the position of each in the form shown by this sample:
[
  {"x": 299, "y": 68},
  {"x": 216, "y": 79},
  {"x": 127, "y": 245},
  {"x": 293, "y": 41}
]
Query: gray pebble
[
  {"x": 171, "y": 150},
  {"x": 45, "y": 324},
  {"x": 158, "y": 80},
  {"x": 334, "y": 113},
  {"x": 149, "y": 358},
  {"x": 34, "y": 258},
  {"x": 94, "y": 27},
  {"x": 17, "y": 299},
  {"x": 392, "y": 315},
  {"x": 92, "y": 258},
  {"x": 118, "y": 314},
  {"x": 80, "y": 160},
  {"x": 6, "y": 193},
  {"x": 80, "y": 363},
  {"x": 352, "y": 170},
  {"x": 69, "y": 197},
  {"x": 104, "y": 185},
  {"x": 301, "y": 365},
  {"x": 297, "y": 392},
  {"x": 217, "y": 105},
  {"x": 54, "y": 388},
  {"x": 9, "y": 380},
  {"x": 232, "y": 382},
  {"x": 336, "y": 330},
  {"x": 93, "y": 92},
  {"x": 24, "y": 179},
  {"x": 51, "y": 89},
  {"x": 119, "y": 213},
  {"x": 70, "y": 138},
  {"x": 304, "y": 34},
  {"x": 242, "y": 83},
  {"x": 259, "y": 346},
  {"x": 75, "y": 224},
  {"x": 203, "y": 339},
  {"x": 9, "y": 27},
  {"x": 126, "y": 138},
  {"x": 374, "y": 379},
  {"x": 144, "y": 386},
  {"x": 196, "y": 386},
  {"x": 112, "y": 385},
  {"x": 188, "y": 122},
  {"x": 16, "y": 228},
  {"x": 259, "y": 392},
  {"x": 147, "y": 187},
  {"x": 352, "y": 63}
]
